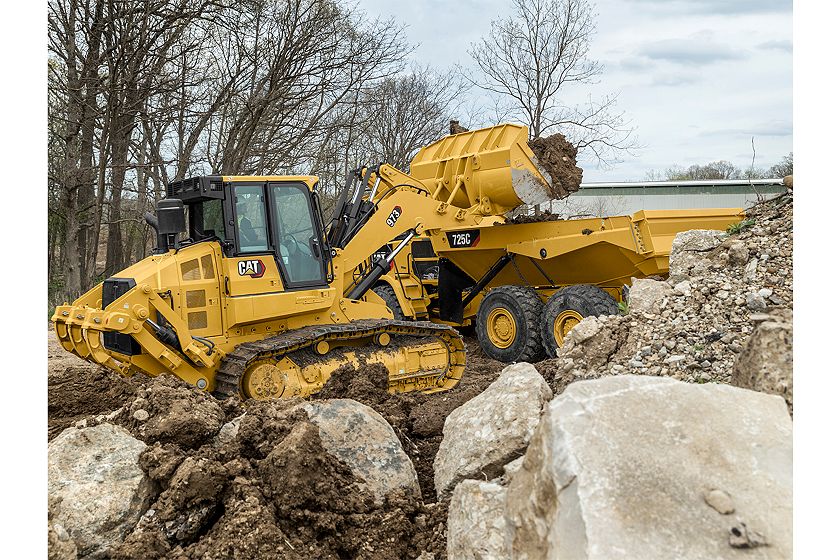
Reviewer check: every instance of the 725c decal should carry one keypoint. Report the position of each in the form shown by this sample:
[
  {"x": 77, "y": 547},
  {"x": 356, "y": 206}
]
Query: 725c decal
[{"x": 463, "y": 238}]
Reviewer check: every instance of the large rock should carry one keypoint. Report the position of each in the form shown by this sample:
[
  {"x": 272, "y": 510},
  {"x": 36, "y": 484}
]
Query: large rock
[
  {"x": 359, "y": 437},
  {"x": 491, "y": 429},
  {"x": 648, "y": 467},
  {"x": 586, "y": 329},
  {"x": 476, "y": 525},
  {"x": 766, "y": 363},
  {"x": 696, "y": 241},
  {"x": 688, "y": 252},
  {"x": 97, "y": 490},
  {"x": 646, "y": 295}
]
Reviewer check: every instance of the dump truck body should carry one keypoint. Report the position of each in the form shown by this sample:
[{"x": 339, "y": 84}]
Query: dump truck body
[{"x": 607, "y": 252}]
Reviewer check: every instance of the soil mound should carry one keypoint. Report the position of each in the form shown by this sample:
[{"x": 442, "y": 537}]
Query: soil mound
[
  {"x": 253, "y": 480},
  {"x": 544, "y": 216},
  {"x": 76, "y": 392},
  {"x": 261, "y": 485},
  {"x": 559, "y": 158}
]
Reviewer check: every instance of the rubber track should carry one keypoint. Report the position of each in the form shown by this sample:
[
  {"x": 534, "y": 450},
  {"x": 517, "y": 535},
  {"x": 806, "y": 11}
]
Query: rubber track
[{"x": 233, "y": 366}]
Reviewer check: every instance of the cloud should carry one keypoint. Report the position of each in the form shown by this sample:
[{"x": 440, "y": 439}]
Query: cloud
[
  {"x": 674, "y": 80},
  {"x": 766, "y": 128},
  {"x": 635, "y": 64},
  {"x": 776, "y": 45},
  {"x": 727, "y": 7},
  {"x": 688, "y": 51}
]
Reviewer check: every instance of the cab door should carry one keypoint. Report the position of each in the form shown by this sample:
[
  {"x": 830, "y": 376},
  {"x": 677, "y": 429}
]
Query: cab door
[
  {"x": 298, "y": 239},
  {"x": 276, "y": 271}
]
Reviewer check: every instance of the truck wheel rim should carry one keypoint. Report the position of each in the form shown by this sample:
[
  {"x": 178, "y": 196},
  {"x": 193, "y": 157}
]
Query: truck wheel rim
[
  {"x": 564, "y": 323},
  {"x": 501, "y": 327}
]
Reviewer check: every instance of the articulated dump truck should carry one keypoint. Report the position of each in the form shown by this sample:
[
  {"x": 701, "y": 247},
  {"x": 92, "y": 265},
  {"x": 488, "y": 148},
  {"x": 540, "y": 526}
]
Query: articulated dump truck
[{"x": 249, "y": 294}]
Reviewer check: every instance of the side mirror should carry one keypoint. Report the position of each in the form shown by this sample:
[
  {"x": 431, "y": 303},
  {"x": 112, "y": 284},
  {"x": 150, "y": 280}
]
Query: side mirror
[{"x": 170, "y": 216}]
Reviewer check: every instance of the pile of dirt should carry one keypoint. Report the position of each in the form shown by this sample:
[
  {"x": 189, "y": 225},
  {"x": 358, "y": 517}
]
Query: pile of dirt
[
  {"x": 544, "y": 216},
  {"x": 253, "y": 480},
  {"x": 78, "y": 392},
  {"x": 77, "y": 389},
  {"x": 558, "y": 157}
]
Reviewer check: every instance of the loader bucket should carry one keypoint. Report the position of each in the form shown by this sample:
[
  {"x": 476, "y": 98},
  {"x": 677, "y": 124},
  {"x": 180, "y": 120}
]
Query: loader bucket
[{"x": 490, "y": 169}]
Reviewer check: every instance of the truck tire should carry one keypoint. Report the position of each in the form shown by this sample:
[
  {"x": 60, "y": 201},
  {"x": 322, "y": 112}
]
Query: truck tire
[
  {"x": 387, "y": 293},
  {"x": 508, "y": 324},
  {"x": 567, "y": 307}
]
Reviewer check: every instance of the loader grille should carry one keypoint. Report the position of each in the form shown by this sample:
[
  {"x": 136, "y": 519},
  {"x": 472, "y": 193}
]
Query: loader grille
[
  {"x": 197, "y": 320},
  {"x": 113, "y": 288},
  {"x": 195, "y": 298}
]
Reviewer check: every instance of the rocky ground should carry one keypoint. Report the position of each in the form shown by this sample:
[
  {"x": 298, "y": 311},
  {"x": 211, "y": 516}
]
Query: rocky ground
[
  {"x": 144, "y": 468},
  {"x": 696, "y": 325},
  {"x": 212, "y": 486}
]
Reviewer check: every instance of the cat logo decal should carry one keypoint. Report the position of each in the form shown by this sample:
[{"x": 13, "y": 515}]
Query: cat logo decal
[{"x": 253, "y": 268}]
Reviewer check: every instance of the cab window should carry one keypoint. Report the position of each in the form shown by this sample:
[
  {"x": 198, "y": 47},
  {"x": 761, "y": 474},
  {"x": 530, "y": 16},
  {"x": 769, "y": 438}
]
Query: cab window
[
  {"x": 213, "y": 219},
  {"x": 251, "y": 229},
  {"x": 205, "y": 220},
  {"x": 295, "y": 231}
]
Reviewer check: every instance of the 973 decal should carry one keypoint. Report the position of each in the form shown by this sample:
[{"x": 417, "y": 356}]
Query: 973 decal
[
  {"x": 253, "y": 268},
  {"x": 394, "y": 216},
  {"x": 463, "y": 238}
]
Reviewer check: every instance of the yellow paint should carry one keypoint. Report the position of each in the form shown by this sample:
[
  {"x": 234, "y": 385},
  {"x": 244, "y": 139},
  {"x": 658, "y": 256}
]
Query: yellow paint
[
  {"x": 501, "y": 327},
  {"x": 464, "y": 181}
]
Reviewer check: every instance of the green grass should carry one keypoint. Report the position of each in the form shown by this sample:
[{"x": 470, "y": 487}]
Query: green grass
[{"x": 740, "y": 226}]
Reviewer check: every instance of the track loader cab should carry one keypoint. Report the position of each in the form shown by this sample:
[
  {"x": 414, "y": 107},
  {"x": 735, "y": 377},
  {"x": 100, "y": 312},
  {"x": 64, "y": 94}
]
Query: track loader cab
[{"x": 271, "y": 227}]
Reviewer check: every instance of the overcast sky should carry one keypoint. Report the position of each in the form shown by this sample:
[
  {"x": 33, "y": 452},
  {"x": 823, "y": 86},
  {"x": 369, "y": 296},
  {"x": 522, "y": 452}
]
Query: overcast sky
[{"x": 698, "y": 78}]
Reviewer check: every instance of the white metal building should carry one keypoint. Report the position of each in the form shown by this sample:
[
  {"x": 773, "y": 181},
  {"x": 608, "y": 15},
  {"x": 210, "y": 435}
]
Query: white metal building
[{"x": 604, "y": 199}]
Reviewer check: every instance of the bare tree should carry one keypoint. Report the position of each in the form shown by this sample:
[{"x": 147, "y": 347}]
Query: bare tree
[
  {"x": 76, "y": 32},
  {"x": 534, "y": 57},
  {"x": 404, "y": 113},
  {"x": 783, "y": 168},
  {"x": 305, "y": 58}
]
